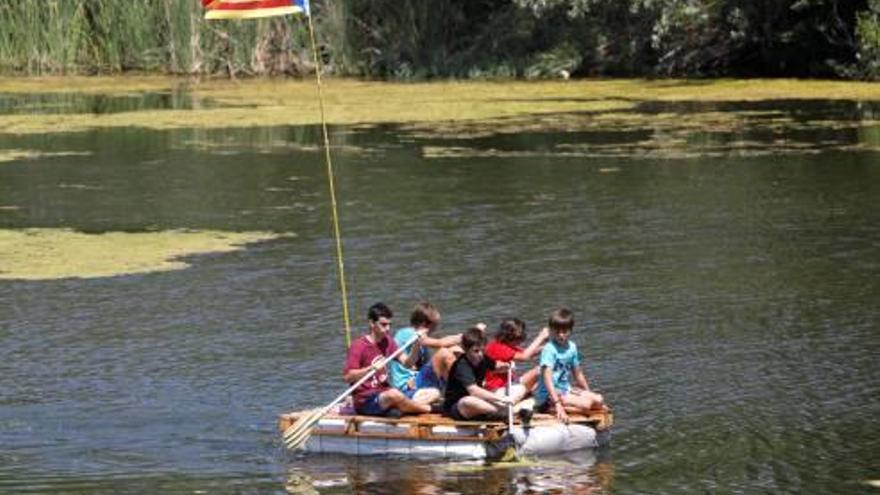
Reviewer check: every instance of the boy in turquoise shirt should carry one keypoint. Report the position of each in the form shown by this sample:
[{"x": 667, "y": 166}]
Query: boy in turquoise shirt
[
  {"x": 560, "y": 365},
  {"x": 415, "y": 372}
]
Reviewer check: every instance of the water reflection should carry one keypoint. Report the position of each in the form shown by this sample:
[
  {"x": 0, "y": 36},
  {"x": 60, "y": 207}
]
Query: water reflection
[
  {"x": 584, "y": 472},
  {"x": 99, "y": 104}
]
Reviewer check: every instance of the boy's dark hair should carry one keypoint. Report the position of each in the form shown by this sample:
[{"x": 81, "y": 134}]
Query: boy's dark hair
[
  {"x": 379, "y": 310},
  {"x": 424, "y": 314},
  {"x": 561, "y": 319},
  {"x": 511, "y": 331},
  {"x": 471, "y": 337}
]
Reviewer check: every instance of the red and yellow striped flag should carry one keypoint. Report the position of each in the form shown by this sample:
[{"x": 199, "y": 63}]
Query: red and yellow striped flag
[{"x": 250, "y": 9}]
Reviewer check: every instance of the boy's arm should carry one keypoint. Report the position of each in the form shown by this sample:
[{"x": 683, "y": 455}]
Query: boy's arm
[
  {"x": 465, "y": 375},
  {"x": 410, "y": 358},
  {"x": 547, "y": 376},
  {"x": 534, "y": 347},
  {"x": 580, "y": 378},
  {"x": 352, "y": 373},
  {"x": 448, "y": 341}
]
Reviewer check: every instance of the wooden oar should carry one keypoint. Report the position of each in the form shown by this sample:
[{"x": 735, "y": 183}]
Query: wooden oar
[
  {"x": 298, "y": 434},
  {"x": 510, "y": 404},
  {"x": 504, "y": 448}
]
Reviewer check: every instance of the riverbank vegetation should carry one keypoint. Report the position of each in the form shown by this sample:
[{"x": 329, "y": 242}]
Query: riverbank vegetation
[{"x": 415, "y": 39}]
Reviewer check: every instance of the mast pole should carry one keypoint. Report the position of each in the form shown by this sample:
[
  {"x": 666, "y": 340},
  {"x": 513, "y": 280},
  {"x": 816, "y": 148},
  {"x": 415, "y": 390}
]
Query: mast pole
[{"x": 331, "y": 179}]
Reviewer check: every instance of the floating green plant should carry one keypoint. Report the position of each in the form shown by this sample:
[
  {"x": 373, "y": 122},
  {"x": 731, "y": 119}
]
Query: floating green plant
[
  {"x": 266, "y": 102},
  {"x": 16, "y": 155},
  {"x": 41, "y": 254}
]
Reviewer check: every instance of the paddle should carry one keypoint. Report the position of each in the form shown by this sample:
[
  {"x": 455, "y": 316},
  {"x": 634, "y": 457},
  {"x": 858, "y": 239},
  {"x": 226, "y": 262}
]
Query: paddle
[
  {"x": 504, "y": 448},
  {"x": 298, "y": 434},
  {"x": 509, "y": 404}
]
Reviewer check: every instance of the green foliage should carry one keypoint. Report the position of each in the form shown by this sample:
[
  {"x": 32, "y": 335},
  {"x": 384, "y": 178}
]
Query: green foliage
[
  {"x": 868, "y": 34},
  {"x": 715, "y": 37},
  {"x": 558, "y": 62},
  {"x": 418, "y": 39}
]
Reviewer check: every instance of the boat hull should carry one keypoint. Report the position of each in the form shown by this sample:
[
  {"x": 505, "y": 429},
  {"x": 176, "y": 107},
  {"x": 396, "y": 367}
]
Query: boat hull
[{"x": 433, "y": 436}]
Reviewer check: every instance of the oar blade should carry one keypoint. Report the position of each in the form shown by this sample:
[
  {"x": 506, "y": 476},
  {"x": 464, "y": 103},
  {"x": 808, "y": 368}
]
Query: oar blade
[
  {"x": 298, "y": 433},
  {"x": 299, "y": 441},
  {"x": 502, "y": 449},
  {"x": 303, "y": 419}
]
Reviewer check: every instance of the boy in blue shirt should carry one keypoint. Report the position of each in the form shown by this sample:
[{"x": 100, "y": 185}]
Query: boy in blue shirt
[
  {"x": 560, "y": 365},
  {"x": 416, "y": 373}
]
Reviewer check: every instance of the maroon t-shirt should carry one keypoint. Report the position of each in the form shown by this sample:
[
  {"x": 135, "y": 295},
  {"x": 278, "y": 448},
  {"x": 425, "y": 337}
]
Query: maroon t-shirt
[{"x": 363, "y": 353}]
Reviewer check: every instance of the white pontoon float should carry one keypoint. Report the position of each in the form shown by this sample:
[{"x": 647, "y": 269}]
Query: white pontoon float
[{"x": 436, "y": 436}]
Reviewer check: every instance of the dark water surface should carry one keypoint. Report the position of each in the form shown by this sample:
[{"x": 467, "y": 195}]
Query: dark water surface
[
  {"x": 727, "y": 307},
  {"x": 77, "y": 103}
]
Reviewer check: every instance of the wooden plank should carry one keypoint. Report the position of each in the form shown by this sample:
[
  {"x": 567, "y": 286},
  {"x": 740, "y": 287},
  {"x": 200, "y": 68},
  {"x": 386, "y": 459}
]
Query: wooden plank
[
  {"x": 601, "y": 419},
  {"x": 399, "y": 436}
]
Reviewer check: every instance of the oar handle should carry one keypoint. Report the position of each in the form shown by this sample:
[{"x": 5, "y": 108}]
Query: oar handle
[
  {"x": 509, "y": 394},
  {"x": 369, "y": 375}
]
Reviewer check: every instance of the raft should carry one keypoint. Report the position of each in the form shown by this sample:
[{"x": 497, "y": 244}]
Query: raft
[{"x": 432, "y": 436}]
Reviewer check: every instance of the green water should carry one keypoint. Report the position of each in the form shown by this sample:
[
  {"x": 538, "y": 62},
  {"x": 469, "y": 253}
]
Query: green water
[{"x": 726, "y": 302}]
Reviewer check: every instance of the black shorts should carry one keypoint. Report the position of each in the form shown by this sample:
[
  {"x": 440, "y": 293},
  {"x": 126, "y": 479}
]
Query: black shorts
[{"x": 454, "y": 413}]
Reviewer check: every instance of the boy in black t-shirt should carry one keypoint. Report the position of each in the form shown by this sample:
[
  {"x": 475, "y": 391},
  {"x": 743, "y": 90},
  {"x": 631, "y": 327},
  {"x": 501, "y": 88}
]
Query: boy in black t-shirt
[{"x": 465, "y": 397}]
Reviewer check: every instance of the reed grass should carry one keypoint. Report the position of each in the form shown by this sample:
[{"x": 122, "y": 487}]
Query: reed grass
[{"x": 47, "y": 37}]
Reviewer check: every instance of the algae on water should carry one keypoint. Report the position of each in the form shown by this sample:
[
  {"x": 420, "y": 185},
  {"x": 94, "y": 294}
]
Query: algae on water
[
  {"x": 261, "y": 103},
  {"x": 15, "y": 155},
  {"x": 45, "y": 254}
]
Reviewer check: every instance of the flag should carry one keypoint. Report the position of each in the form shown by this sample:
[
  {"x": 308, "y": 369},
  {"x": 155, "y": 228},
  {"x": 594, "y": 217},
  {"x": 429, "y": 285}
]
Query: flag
[{"x": 250, "y": 9}]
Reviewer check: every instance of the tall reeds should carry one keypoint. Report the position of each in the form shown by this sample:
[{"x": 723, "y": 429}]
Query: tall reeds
[
  {"x": 40, "y": 36},
  {"x": 381, "y": 38},
  {"x": 109, "y": 36}
]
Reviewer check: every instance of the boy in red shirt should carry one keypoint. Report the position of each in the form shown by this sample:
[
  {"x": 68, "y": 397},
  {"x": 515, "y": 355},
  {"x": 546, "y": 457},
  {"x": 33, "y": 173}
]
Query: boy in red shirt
[{"x": 506, "y": 348}]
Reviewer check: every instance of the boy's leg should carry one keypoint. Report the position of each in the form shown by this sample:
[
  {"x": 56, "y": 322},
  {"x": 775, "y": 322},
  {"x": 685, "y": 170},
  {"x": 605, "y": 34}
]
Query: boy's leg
[
  {"x": 371, "y": 407},
  {"x": 395, "y": 399},
  {"x": 598, "y": 400},
  {"x": 427, "y": 378},
  {"x": 517, "y": 392},
  {"x": 581, "y": 402},
  {"x": 471, "y": 407},
  {"x": 427, "y": 387},
  {"x": 529, "y": 379},
  {"x": 426, "y": 395}
]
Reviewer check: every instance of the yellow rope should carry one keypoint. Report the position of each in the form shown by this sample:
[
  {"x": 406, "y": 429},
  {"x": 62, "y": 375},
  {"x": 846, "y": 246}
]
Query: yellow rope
[{"x": 330, "y": 177}]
